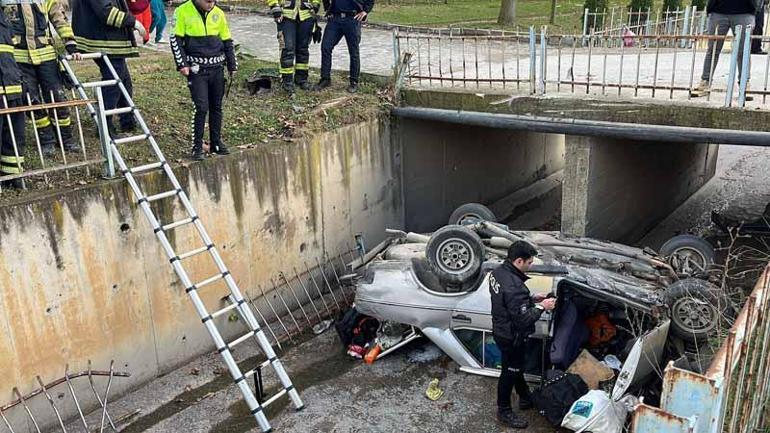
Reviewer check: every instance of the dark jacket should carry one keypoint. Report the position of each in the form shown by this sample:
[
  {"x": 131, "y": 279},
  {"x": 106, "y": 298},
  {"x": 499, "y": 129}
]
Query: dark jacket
[
  {"x": 10, "y": 74},
  {"x": 104, "y": 26},
  {"x": 757, "y": 4},
  {"x": 513, "y": 312},
  {"x": 202, "y": 38},
  {"x": 362, "y": 5}
]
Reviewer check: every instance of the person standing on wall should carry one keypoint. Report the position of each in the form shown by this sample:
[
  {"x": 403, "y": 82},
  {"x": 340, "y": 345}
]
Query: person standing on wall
[
  {"x": 107, "y": 26},
  {"x": 723, "y": 16},
  {"x": 344, "y": 19},
  {"x": 36, "y": 56},
  {"x": 296, "y": 20},
  {"x": 514, "y": 313},
  {"x": 759, "y": 29},
  {"x": 202, "y": 46},
  {"x": 12, "y": 133}
]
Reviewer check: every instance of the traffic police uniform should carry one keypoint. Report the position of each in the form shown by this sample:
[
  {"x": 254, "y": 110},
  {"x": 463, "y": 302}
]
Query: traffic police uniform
[
  {"x": 513, "y": 319},
  {"x": 36, "y": 56},
  {"x": 11, "y": 158},
  {"x": 202, "y": 42},
  {"x": 294, "y": 34}
]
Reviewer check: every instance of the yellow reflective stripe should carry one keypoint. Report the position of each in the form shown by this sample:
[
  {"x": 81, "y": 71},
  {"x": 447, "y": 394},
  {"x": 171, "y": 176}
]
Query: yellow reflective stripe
[
  {"x": 107, "y": 47},
  {"x": 65, "y": 32},
  {"x": 8, "y": 169},
  {"x": 65, "y": 121},
  {"x": 286, "y": 71},
  {"x": 119, "y": 19},
  {"x": 35, "y": 56},
  {"x": 11, "y": 159},
  {"x": 12, "y": 89},
  {"x": 302, "y": 66},
  {"x": 6, "y": 48},
  {"x": 43, "y": 122},
  {"x": 111, "y": 16}
]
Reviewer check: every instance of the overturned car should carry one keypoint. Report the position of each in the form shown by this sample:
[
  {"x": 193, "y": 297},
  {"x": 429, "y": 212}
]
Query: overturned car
[{"x": 609, "y": 295}]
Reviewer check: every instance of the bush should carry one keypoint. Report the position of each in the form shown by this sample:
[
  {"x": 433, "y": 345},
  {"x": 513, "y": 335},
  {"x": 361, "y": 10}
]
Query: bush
[
  {"x": 641, "y": 4},
  {"x": 595, "y": 21},
  {"x": 701, "y": 4},
  {"x": 671, "y": 5}
]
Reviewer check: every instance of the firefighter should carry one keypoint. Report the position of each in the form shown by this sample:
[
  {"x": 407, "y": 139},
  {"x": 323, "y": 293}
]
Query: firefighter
[
  {"x": 36, "y": 57},
  {"x": 296, "y": 20},
  {"x": 107, "y": 26},
  {"x": 12, "y": 125},
  {"x": 202, "y": 46}
]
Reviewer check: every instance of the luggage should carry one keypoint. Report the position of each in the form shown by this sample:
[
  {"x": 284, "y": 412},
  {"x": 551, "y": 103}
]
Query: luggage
[{"x": 555, "y": 398}]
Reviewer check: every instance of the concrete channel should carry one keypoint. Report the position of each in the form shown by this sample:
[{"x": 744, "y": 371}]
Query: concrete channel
[{"x": 91, "y": 283}]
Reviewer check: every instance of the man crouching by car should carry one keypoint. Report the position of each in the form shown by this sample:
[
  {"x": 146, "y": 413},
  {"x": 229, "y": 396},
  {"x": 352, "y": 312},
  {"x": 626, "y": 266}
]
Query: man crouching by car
[{"x": 514, "y": 313}]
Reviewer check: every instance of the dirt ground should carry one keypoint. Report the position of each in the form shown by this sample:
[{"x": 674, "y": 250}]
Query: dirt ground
[{"x": 341, "y": 395}]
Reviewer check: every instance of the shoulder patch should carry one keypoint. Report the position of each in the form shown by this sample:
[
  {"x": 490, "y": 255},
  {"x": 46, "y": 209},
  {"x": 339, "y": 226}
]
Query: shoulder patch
[{"x": 493, "y": 284}]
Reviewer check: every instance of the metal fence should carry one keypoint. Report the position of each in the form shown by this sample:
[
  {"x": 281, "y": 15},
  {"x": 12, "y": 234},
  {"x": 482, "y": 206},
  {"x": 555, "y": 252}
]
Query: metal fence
[
  {"x": 734, "y": 394},
  {"x": 686, "y": 21},
  {"x": 651, "y": 66}
]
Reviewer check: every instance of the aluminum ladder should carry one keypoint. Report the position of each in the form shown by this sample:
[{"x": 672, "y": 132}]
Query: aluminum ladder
[{"x": 237, "y": 301}]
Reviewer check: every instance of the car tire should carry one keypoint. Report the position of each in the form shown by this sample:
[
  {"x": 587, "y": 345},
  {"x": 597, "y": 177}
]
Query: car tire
[
  {"x": 697, "y": 308},
  {"x": 471, "y": 212},
  {"x": 688, "y": 254},
  {"x": 455, "y": 254}
]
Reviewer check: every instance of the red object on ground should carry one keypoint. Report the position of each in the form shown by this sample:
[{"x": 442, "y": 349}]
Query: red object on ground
[{"x": 372, "y": 354}]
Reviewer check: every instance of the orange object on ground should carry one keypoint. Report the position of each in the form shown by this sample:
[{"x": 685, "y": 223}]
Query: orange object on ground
[
  {"x": 601, "y": 329},
  {"x": 372, "y": 354}
]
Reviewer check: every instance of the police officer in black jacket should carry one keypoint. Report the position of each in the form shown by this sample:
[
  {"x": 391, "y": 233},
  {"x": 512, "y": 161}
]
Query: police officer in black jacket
[{"x": 514, "y": 313}]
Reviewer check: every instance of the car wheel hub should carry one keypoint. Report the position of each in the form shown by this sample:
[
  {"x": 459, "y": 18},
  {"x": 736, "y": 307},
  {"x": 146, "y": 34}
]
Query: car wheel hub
[
  {"x": 694, "y": 314},
  {"x": 469, "y": 218},
  {"x": 688, "y": 261},
  {"x": 454, "y": 255}
]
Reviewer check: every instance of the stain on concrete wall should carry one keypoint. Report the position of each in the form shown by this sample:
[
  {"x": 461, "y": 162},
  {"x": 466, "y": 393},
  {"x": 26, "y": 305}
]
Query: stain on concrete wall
[{"x": 83, "y": 276}]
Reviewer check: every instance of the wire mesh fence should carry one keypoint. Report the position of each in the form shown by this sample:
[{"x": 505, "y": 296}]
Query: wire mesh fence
[{"x": 657, "y": 66}]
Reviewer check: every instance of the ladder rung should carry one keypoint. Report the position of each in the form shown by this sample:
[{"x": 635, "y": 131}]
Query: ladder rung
[
  {"x": 225, "y": 310},
  {"x": 99, "y": 83},
  {"x": 146, "y": 167},
  {"x": 208, "y": 281},
  {"x": 194, "y": 252},
  {"x": 130, "y": 139},
  {"x": 254, "y": 370},
  {"x": 241, "y": 339},
  {"x": 121, "y": 110},
  {"x": 272, "y": 399},
  {"x": 160, "y": 196},
  {"x": 176, "y": 224}
]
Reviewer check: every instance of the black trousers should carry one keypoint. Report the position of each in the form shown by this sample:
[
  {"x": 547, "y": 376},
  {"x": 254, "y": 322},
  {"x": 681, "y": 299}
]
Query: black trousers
[
  {"x": 336, "y": 28},
  {"x": 511, "y": 374},
  {"x": 759, "y": 28},
  {"x": 113, "y": 97},
  {"x": 40, "y": 82},
  {"x": 10, "y": 163},
  {"x": 207, "y": 88},
  {"x": 294, "y": 40}
]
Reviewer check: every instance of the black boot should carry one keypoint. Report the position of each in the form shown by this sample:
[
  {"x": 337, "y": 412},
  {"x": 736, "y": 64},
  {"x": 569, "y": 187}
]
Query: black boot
[
  {"x": 323, "y": 84},
  {"x": 287, "y": 84},
  {"x": 221, "y": 149},
  {"x": 47, "y": 141},
  {"x": 304, "y": 85},
  {"x": 507, "y": 418},
  {"x": 353, "y": 87},
  {"x": 197, "y": 152},
  {"x": 66, "y": 137}
]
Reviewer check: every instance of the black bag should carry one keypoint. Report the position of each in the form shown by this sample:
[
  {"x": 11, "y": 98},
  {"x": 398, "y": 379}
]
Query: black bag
[
  {"x": 554, "y": 399},
  {"x": 345, "y": 324}
]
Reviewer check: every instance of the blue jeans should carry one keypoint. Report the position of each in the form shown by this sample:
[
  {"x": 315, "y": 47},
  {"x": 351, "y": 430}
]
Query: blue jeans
[{"x": 336, "y": 28}]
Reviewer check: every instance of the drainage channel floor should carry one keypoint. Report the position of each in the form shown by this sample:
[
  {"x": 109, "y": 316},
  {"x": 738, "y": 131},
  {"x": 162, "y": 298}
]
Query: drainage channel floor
[{"x": 341, "y": 395}]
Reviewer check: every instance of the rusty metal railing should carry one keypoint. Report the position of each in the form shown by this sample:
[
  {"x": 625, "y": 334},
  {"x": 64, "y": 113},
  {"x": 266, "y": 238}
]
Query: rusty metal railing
[
  {"x": 658, "y": 66},
  {"x": 733, "y": 395}
]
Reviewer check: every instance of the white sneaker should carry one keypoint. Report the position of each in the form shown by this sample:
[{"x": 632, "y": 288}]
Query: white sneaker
[
  {"x": 703, "y": 89},
  {"x": 161, "y": 41}
]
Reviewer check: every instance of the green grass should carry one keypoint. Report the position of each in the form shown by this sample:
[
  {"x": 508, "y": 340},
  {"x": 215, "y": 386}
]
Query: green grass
[{"x": 162, "y": 96}]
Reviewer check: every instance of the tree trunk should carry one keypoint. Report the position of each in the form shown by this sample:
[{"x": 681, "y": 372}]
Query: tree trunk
[
  {"x": 507, "y": 12},
  {"x": 552, "y": 19}
]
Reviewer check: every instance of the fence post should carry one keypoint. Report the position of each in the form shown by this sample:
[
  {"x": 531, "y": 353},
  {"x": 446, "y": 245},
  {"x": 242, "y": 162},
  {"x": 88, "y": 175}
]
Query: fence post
[
  {"x": 104, "y": 140},
  {"x": 585, "y": 23},
  {"x": 532, "y": 60},
  {"x": 396, "y": 51},
  {"x": 543, "y": 58},
  {"x": 745, "y": 66},
  {"x": 685, "y": 27},
  {"x": 733, "y": 65}
]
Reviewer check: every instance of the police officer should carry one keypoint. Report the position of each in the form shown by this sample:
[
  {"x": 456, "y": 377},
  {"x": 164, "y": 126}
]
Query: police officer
[
  {"x": 12, "y": 125},
  {"x": 514, "y": 313},
  {"x": 202, "y": 45},
  {"x": 295, "y": 20},
  {"x": 106, "y": 26},
  {"x": 344, "y": 19},
  {"x": 36, "y": 56}
]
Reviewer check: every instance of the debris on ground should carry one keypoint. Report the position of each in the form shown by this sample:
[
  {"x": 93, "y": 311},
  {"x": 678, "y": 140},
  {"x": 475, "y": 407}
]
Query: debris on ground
[
  {"x": 591, "y": 370},
  {"x": 598, "y": 413},
  {"x": 321, "y": 327},
  {"x": 434, "y": 392}
]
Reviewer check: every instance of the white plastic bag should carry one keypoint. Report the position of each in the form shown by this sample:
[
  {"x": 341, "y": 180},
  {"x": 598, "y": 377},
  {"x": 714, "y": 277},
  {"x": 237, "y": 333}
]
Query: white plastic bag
[{"x": 597, "y": 413}]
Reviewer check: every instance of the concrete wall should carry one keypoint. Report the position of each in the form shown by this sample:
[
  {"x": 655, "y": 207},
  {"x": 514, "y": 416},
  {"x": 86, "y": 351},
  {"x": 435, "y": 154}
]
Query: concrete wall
[
  {"x": 446, "y": 165},
  {"x": 83, "y": 277},
  {"x": 619, "y": 190}
]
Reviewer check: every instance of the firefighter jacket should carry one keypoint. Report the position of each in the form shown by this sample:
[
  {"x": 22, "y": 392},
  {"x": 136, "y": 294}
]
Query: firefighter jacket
[
  {"x": 32, "y": 38},
  {"x": 513, "y": 312},
  {"x": 304, "y": 9},
  {"x": 202, "y": 38},
  {"x": 104, "y": 26},
  {"x": 10, "y": 74}
]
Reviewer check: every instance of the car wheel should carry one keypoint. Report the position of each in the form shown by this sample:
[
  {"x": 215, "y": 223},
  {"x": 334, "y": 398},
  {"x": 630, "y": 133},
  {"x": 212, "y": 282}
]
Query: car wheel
[
  {"x": 697, "y": 308},
  {"x": 470, "y": 213},
  {"x": 688, "y": 254},
  {"x": 454, "y": 253}
]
